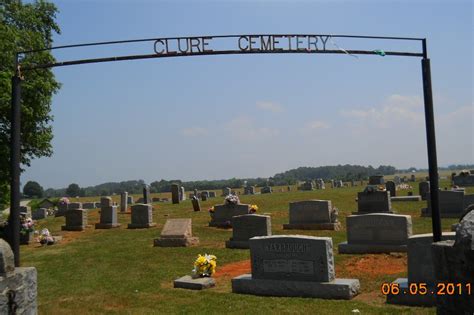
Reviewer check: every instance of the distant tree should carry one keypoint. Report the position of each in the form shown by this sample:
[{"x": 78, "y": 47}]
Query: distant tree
[
  {"x": 33, "y": 189},
  {"x": 73, "y": 190}
]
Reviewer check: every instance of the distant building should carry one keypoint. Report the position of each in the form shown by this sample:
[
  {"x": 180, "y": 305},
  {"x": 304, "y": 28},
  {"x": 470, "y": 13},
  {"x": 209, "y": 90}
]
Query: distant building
[{"x": 46, "y": 203}]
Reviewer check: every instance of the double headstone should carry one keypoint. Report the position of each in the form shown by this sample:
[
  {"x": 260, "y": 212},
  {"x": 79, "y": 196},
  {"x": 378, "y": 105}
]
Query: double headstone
[
  {"x": 293, "y": 265},
  {"x": 464, "y": 179},
  {"x": 76, "y": 218},
  {"x": 451, "y": 204},
  {"x": 223, "y": 214},
  {"x": 176, "y": 233},
  {"x": 108, "y": 214},
  {"x": 246, "y": 226},
  {"x": 313, "y": 215},
  {"x": 142, "y": 216},
  {"x": 376, "y": 233},
  {"x": 175, "y": 193}
]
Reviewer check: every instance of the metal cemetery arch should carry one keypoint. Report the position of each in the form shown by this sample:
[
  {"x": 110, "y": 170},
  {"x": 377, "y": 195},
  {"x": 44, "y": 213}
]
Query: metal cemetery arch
[{"x": 199, "y": 46}]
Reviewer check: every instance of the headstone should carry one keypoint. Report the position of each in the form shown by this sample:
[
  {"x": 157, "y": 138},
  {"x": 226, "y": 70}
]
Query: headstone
[
  {"x": 266, "y": 190},
  {"x": 146, "y": 194},
  {"x": 176, "y": 233},
  {"x": 25, "y": 209},
  {"x": 373, "y": 201},
  {"x": 406, "y": 198},
  {"x": 313, "y": 215},
  {"x": 142, "y": 216},
  {"x": 108, "y": 218},
  {"x": 420, "y": 270},
  {"x": 424, "y": 188},
  {"x": 397, "y": 180},
  {"x": 212, "y": 194},
  {"x": 246, "y": 226},
  {"x": 190, "y": 283},
  {"x": 18, "y": 294},
  {"x": 249, "y": 190},
  {"x": 464, "y": 179},
  {"x": 38, "y": 214},
  {"x": 88, "y": 205},
  {"x": 62, "y": 208},
  {"x": 76, "y": 220},
  {"x": 392, "y": 188},
  {"x": 123, "y": 201},
  {"x": 175, "y": 193},
  {"x": 182, "y": 194},
  {"x": 451, "y": 204},
  {"x": 196, "y": 205},
  {"x": 74, "y": 205},
  {"x": 106, "y": 201},
  {"x": 294, "y": 265},
  {"x": 307, "y": 186},
  {"x": 226, "y": 191},
  {"x": 453, "y": 263},
  {"x": 376, "y": 180},
  {"x": 376, "y": 233},
  {"x": 320, "y": 184},
  {"x": 130, "y": 200},
  {"x": 204, "y": 195},
  {"x": 332, "y": 183},
  {"x": 412, "y": 178},
  {"x": 222, "y": 216}
]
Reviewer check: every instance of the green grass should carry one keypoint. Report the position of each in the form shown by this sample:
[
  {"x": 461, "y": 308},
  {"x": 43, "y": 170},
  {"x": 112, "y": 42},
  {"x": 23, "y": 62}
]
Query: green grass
[{"x": 119, "y": 270}]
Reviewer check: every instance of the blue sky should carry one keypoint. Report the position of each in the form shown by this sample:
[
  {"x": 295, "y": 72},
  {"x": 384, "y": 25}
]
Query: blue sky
[{"x": 213, "y": 117}]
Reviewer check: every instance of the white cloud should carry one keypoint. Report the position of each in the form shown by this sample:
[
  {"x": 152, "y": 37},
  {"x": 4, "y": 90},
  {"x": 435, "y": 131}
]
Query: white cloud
[
  {"x": 270, "y": 106},
  {"x": 315, "y": 126},
  {"x": 194, "y": 132}
]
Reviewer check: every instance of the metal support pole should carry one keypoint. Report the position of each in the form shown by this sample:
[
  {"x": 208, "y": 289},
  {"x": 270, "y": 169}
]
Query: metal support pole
[
  {"x": 431, "y": 142},
  {"x": 14, "y": 219}
]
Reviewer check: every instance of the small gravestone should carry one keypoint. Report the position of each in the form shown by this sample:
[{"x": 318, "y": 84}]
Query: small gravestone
[
  {"x": 175, "y": 193},
  {"x": 130, "y": 200},
  {"x": 246, "y": 226},
  {"x": 182, "y": 194},
  {"x": 376, "y": 180},
  {"x": 196, "y": 205},
  {"x": 312, "y": 215},
  {"x": 222, "y": 215},
  {"x": 373, "y": 201},
  {"x": 212, "y": 194},
  {"x": 106, "y": 201},
  {"x": 307, "y": 186},
  {"x": 420, "y": 270},
  {"x": 424, "y": 188},
  {"x": 226, "y": 191},
  {"x": 142, "y": 217},
  {"x": 249, "y": 190},
  {"x": 176, "y": 233},
  {"x": 18, "y": 294},
  {"x": 392, "y": 188},
  {"x": 38, "y": 214},
  {"x": 294, "y": 265},
  {"x": 124, "y": 201},
  {"x": 266, "y": 190},
  {"x": 376, "y": 233},
  {"x": 108, "y": 218},
  {"x": 204, "y": 195},
  {"x": 451, "y": 204},
  {"x": 76, "y": 220}
]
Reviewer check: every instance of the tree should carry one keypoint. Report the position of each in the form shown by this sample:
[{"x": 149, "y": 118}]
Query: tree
[
  {"x": 25, "y": 27},
  {"x": 73, "y": 190},
  {"x": 33, "y": 189}
]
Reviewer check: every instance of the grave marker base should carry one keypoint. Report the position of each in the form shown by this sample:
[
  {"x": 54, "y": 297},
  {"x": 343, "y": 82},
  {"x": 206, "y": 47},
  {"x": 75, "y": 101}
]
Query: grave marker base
[
  {"x": 313, "y": 226},
  {"x": 141, "y": 226},
  {"x": 345, "y": 248},
  {"x": 75, "y": 228},
  {"x": 176, "y": 242},
  {"x": 373, "y": 212},
  {"x": 344, "y": 289},
  {"x": 188, "y": 282},
  {"x": 106, "y": 225},
  {"x": 406, "y": 198}
]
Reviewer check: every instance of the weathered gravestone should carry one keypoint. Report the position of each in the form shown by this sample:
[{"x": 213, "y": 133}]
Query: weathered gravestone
[
  {"x": 222, "y": 215},
  {"x": 392, "y": 188},
  {"x": 124, "y": 201},
  {"x": 454, "y": 264},
  {"x": 451, "y": 204},
  {"x": 294, "y": 265},
  {"x": 313, "y": 215},
  {"x": 108, "y": 218},
  {"x": 130, "y": 200},
  {"x": 175, "y": 193},
  {"x": 196, "y": 205},
  {"x": 142, "y": 217},
  {"x": 182, "y": 194},
  {"x": 266, "y": 190},
  {"x": 18, "y": 294},
  {"x": 249, "y": 190},
  {"x": 176, "y": 233},
  {"x": 376, "y": 233},
  {"x": 246, "y": 226},
  {"x": 307, "y": 186},
  {"x": 76, "y": 220},
  {"x": 420, "y": 270},
  {"x": 373, "y": 201},
  {"x": 376, "y": 180},
  {"x": 38, "y": 214},
  {"x": 424, "y": 189}
]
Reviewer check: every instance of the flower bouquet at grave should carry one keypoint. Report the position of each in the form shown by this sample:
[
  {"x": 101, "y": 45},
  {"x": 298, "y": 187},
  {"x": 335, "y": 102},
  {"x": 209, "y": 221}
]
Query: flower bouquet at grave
[
  {"x": 204, "y": 266},
  {"x": 27, "y": 225},
  {"x": 253, "y": 208},
  {"x": 64, "y": 200},
  {"x": 231, "y": 200},
  {"x": 45, "y": 237}
]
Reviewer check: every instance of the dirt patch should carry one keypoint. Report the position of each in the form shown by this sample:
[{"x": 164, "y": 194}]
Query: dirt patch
[
  {"x": 232, "y": 270},
  {"x": 373, "y": 266}
]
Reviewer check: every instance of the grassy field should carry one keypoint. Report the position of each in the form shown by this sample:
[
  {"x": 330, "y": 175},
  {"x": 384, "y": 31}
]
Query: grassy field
[{"x": 119, "y": 270}]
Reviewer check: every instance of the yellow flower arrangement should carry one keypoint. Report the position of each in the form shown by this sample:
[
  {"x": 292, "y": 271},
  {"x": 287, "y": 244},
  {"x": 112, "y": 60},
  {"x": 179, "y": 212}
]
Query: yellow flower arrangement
[
  {"x": 253, "y": 208},
  {"x": 205, "y": 265},
  {"x": 211, "y": 209}
]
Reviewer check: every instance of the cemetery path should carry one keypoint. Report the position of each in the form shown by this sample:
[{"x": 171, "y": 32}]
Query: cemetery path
[{"x": 23, "y": 203}]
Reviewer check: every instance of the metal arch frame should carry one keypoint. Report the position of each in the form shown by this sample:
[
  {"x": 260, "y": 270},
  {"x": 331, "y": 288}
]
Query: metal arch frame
[{"x": 15, "y": 131}]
